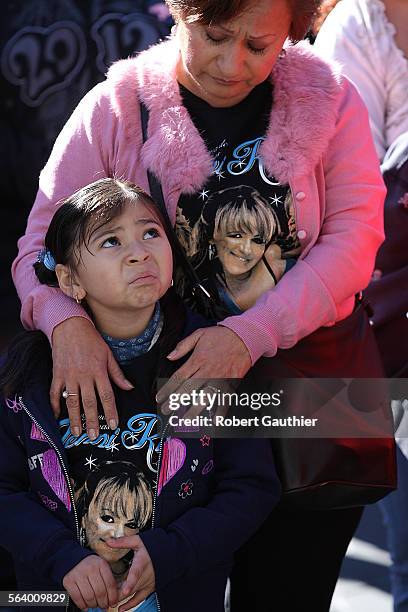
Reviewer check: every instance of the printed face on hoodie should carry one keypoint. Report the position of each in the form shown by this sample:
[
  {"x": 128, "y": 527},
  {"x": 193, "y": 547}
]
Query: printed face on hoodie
[{"x": 116, "y": 510}]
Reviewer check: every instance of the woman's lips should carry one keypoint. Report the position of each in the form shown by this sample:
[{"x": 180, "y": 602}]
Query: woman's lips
[{"x": 225, "y": 82}]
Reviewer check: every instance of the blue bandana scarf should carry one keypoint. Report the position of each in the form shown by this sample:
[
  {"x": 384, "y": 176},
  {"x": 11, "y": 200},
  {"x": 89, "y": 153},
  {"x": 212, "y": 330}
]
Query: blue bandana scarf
[{"x": 125, "y": 351}]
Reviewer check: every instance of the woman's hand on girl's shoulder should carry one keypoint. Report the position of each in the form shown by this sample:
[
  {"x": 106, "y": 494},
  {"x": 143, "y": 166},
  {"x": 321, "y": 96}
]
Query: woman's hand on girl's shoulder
[
  {"x": 218, "y": 353},
  {"x": 82, "y": 365}
]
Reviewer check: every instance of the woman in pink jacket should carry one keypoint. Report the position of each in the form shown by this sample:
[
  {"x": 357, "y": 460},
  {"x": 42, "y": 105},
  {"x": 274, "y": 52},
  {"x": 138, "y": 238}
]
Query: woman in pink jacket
[{"x": 229, "y": 106}]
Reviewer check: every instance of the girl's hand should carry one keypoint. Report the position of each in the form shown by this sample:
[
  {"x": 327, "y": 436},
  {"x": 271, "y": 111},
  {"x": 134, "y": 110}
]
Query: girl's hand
[
  {"x": 141, "y": 579},
  {"x": 91, "y": 584},
  {"x": 82, "y": 363},
  {"x": 217, "y": 353}
]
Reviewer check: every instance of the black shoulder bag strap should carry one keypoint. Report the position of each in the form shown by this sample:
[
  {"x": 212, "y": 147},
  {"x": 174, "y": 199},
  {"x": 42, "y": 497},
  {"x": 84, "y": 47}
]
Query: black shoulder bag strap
[{"x": 156, "y": 192}]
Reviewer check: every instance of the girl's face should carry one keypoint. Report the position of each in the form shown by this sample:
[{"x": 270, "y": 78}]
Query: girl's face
[
  {"x": 222, "y": 63},
  {"x": 125, "y": 268},
  {"x": 239, "y": 251},
  {"x": 101, "y": 522}
]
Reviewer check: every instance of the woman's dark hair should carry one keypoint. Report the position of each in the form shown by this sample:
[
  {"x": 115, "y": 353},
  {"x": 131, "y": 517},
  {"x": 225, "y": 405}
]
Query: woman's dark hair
[
  {"x": 83, "y": 213},
  {"x": 217, "y": 11}
]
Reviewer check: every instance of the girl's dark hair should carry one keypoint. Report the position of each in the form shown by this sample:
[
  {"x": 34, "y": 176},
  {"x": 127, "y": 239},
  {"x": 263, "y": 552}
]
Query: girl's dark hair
[
  {"x": 87, "y": 210},
  {"x": 218, "y": 11},
  {"x": 28, "y": 358}
]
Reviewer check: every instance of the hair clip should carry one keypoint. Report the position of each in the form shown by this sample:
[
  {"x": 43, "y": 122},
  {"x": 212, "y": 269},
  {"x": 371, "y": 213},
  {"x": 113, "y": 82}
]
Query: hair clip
[{"x": 45, "y": 257}]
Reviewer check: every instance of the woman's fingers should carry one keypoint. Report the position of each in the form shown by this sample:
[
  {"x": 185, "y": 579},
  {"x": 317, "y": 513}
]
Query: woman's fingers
[
  {"x": 186, "y": 345},
  {"x": 208, "y": 363},
  {"x": 73, "y": 403},
  {"x": 132, "y": 542},
  {"x": 56, "y": 389},
  {"x": 100, "y": 590},
  {"x": 183, "y": 374},
  {"x": 180, "y": 382},
  {"x": 132, "y": 579},
  {"x": 90, "y": 408},
  {"x": 116, "y": 373},
  {"x": 82, "y": 364}
]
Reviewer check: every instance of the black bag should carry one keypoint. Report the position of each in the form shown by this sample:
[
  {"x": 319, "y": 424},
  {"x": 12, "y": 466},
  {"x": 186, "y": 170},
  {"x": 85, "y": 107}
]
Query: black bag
[{"x": 335, "y": 473}]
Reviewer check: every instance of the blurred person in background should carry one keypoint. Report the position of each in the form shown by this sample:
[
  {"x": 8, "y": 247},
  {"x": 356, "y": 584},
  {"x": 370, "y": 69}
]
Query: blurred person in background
[{"x": 369, "y": 38}]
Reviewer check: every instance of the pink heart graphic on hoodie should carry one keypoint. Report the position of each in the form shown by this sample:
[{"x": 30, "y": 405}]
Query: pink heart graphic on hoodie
[
  {"x": 173, "y": 457},
  {"x": 36, "y": 433},
  {"x": 52, "y": 472}
]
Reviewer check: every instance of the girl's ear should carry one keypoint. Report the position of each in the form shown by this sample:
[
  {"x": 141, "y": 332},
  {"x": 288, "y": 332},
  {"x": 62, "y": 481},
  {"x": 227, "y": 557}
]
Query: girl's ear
[{"x": 68, "y": 283}]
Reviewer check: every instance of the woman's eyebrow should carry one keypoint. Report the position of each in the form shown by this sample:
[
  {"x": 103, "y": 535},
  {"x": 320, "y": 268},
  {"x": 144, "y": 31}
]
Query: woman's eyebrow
[
  {"x": 228, "y": 31},
  {"x": 218, "y": 25},
  {"x": 261, "y": 36}
]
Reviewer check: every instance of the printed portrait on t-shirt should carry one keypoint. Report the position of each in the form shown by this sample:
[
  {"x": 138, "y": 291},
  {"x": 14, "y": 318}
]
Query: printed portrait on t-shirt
[
  {"x": 240, "y": 244},
  {"x": 115, "y": 500},
  {"x": 244, "y": 248}
]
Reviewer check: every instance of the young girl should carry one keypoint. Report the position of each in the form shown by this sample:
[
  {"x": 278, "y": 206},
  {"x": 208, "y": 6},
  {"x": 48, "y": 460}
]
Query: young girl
[{"x": 175, "y": 510}]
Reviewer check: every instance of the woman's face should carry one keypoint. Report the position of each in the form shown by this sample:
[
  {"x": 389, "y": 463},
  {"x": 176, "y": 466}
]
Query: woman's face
[
  {"x": 102, "y": 522},
  {"x": 222, "y": 63},
  {"x": 239, "y": 251}
]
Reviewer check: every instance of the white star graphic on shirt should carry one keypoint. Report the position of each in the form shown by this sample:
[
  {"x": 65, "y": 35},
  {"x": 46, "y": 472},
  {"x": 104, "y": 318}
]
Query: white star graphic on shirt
[
  {"x": 90, "y": 462},
  {"x": 132, "y": 437},
  {"x": 204, "y": 194},
  {"x": 276, "y": 199},
  {"x": 240, "y": 163},
  {"x": 114, "y": 446},
  {"x": 220, "y": 174}
]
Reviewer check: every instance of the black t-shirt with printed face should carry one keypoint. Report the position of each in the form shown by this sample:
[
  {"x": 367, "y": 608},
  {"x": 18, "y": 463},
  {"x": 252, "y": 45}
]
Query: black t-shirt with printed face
[
  {"x": 228, "y": 226},
  {"x": 114, "y": 476}
]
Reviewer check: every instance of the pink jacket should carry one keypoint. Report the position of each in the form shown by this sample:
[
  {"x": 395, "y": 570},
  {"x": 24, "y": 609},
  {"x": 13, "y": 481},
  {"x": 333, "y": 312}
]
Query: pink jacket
[{"x": 318, "y": 140}]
